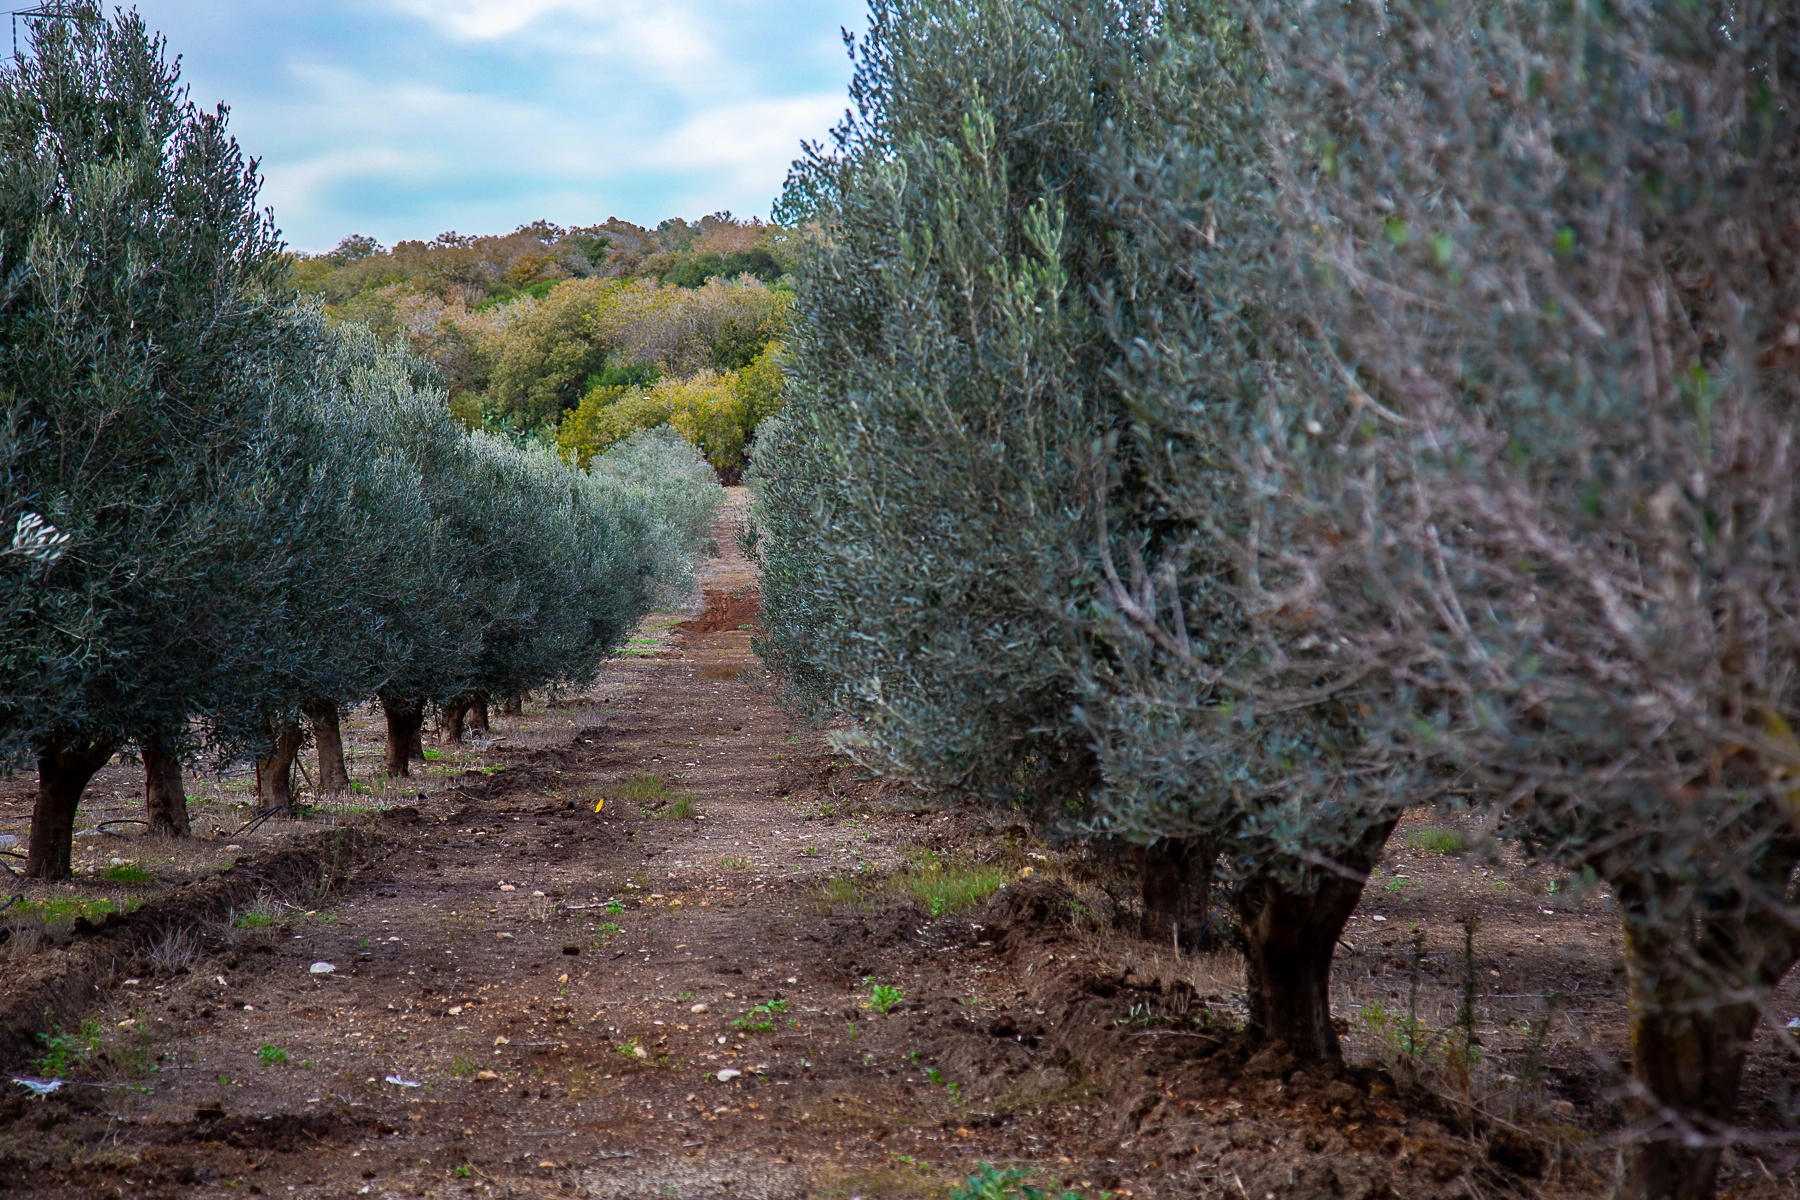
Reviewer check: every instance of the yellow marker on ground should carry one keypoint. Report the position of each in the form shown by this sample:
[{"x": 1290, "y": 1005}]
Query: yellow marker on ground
[{"x": 601, "y": 804}]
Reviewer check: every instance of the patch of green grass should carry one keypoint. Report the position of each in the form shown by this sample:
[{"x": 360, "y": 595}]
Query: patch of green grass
[
  {"x": 1437, "y": 841},
  {"x": 464, "y": 1067},
  {"x": 434, "y": 755},
  {"x": 736, "y": 864},
  {"x": 464, "y": 1171},
  {"x": 836, "y": 893},
  {"x": 1142, "y": 1016},
  {"x": 942, "y": 885},
  {"x": 126, "y": 873},
  {"x": 763, "y": 1018},
  {"x": 681, "y": 808},
  {"x": 65, "y": 911},
  {"x": 258, "y": 916},
  {"x": 653, "y": 796},
  {"x": 272, "y": 1056},
  {"x": 991, "y": 1183},
  {"x": 938, "y": 885},
  {"x": 637, "y": 647},
  {"x": 933, "y": 1075},
  {"x": 882, "y": 998},
  {"x": 1404, "y": 1034}
]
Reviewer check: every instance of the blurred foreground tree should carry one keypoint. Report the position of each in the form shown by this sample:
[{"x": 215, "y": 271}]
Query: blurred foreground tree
[
  {"x": 1545, "y": 455},
  {"x": 1219, "y": 719}
]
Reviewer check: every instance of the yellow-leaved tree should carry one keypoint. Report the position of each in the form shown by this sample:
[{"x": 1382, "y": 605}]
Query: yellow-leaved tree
[{"x": 717, "y": 411}]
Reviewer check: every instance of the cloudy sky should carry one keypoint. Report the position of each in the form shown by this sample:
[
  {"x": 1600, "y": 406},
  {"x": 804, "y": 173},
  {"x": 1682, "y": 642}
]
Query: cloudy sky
[{"x": 408, "y": 118}]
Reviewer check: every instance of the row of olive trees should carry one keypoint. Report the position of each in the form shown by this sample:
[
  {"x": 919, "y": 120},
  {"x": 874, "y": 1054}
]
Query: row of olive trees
[
  {"x": 263, "y": 520},
  {"x": 1227, "y": 425}
]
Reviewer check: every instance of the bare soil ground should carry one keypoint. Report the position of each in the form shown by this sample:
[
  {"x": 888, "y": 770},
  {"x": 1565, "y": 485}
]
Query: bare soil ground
[{"x": 674, "y": 993}]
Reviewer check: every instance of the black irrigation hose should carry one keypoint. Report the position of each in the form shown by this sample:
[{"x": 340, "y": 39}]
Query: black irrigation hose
[
  {"x": 102, "y": 826},
  {"x": 250, "y": 825},
  {"x": 1211, "y": 917},
  {"x": 17, "y": 899}
]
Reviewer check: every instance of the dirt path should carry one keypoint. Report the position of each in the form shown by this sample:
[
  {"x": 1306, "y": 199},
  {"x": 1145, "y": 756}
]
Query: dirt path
[{"x": 676, "y": 996}]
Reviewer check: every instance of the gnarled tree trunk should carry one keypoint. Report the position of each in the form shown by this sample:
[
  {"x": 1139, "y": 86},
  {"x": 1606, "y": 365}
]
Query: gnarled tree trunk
[
  {"x": 451, "y": 718},
  {"x": 404, "y": 719},
  {"x": 1289, "y": 938},
  {"x": 165, "y": 793},
  {"x": 275, "y": 770},
  {"x": 1177, "y": 875},
  {"x": 478, "y": 714},
  {"x": 1692, "y": 1022},
  {"x": 64, "y": 770},
  {"x": 328, "y": 737}
]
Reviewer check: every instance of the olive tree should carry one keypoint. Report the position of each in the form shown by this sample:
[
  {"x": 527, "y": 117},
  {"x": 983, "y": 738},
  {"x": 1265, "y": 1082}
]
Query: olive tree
[
  {"x": 538, "y": 571},
  {"x": 1545, "y": 451},
  {"x": 1218, "y": 719},
  {"x": 141, "y": 302},
  {"x": 661, "y": 487},
  {"x": 337, "y": 533},
  {"x": 916, "y": 499}
]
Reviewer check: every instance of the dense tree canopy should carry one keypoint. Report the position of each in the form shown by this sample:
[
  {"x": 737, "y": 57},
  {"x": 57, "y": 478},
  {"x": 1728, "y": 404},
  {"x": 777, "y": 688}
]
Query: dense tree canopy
[
  {"x": 526, "y": 328},
  {"x": 925, "y": 476}
]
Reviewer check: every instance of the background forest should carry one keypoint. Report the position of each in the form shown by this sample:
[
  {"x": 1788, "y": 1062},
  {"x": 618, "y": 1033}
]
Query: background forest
[{"x": 583, "y": 336}]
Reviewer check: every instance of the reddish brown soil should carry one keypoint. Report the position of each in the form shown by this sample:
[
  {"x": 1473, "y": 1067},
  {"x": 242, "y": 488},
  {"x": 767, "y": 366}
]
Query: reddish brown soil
[
  {"x": 566, "y": 986},
  {"x": 725, "y": 611}
]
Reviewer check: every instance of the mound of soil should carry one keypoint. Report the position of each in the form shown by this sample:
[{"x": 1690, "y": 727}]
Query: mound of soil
[{"x": 724, "y": 612}]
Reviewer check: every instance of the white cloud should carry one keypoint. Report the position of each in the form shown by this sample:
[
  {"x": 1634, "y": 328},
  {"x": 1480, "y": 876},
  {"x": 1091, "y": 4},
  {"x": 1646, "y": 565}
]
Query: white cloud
[
  {"x": 669, "y": 44},
  {"x": 482, "y": 19},
  {"x": 753, "y": 141}
]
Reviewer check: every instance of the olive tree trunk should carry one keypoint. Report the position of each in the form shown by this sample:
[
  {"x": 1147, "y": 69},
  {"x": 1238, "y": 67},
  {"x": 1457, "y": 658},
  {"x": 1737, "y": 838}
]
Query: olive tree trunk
[
  {"x": 328, "y": 737},
  {"x": 1694, "y": 989},
  {"x": 478, "y": 714},
  {"x": 404, "y": 720},
  {"x": 1290, "y": 933},
  {"x": 165, "y": 792},
  {"x": 451, "y": 719},
  {"x": 1177, "y": 877},
  {"x": 64, "y": 770},
  {"x": 275, "y": 770}
]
